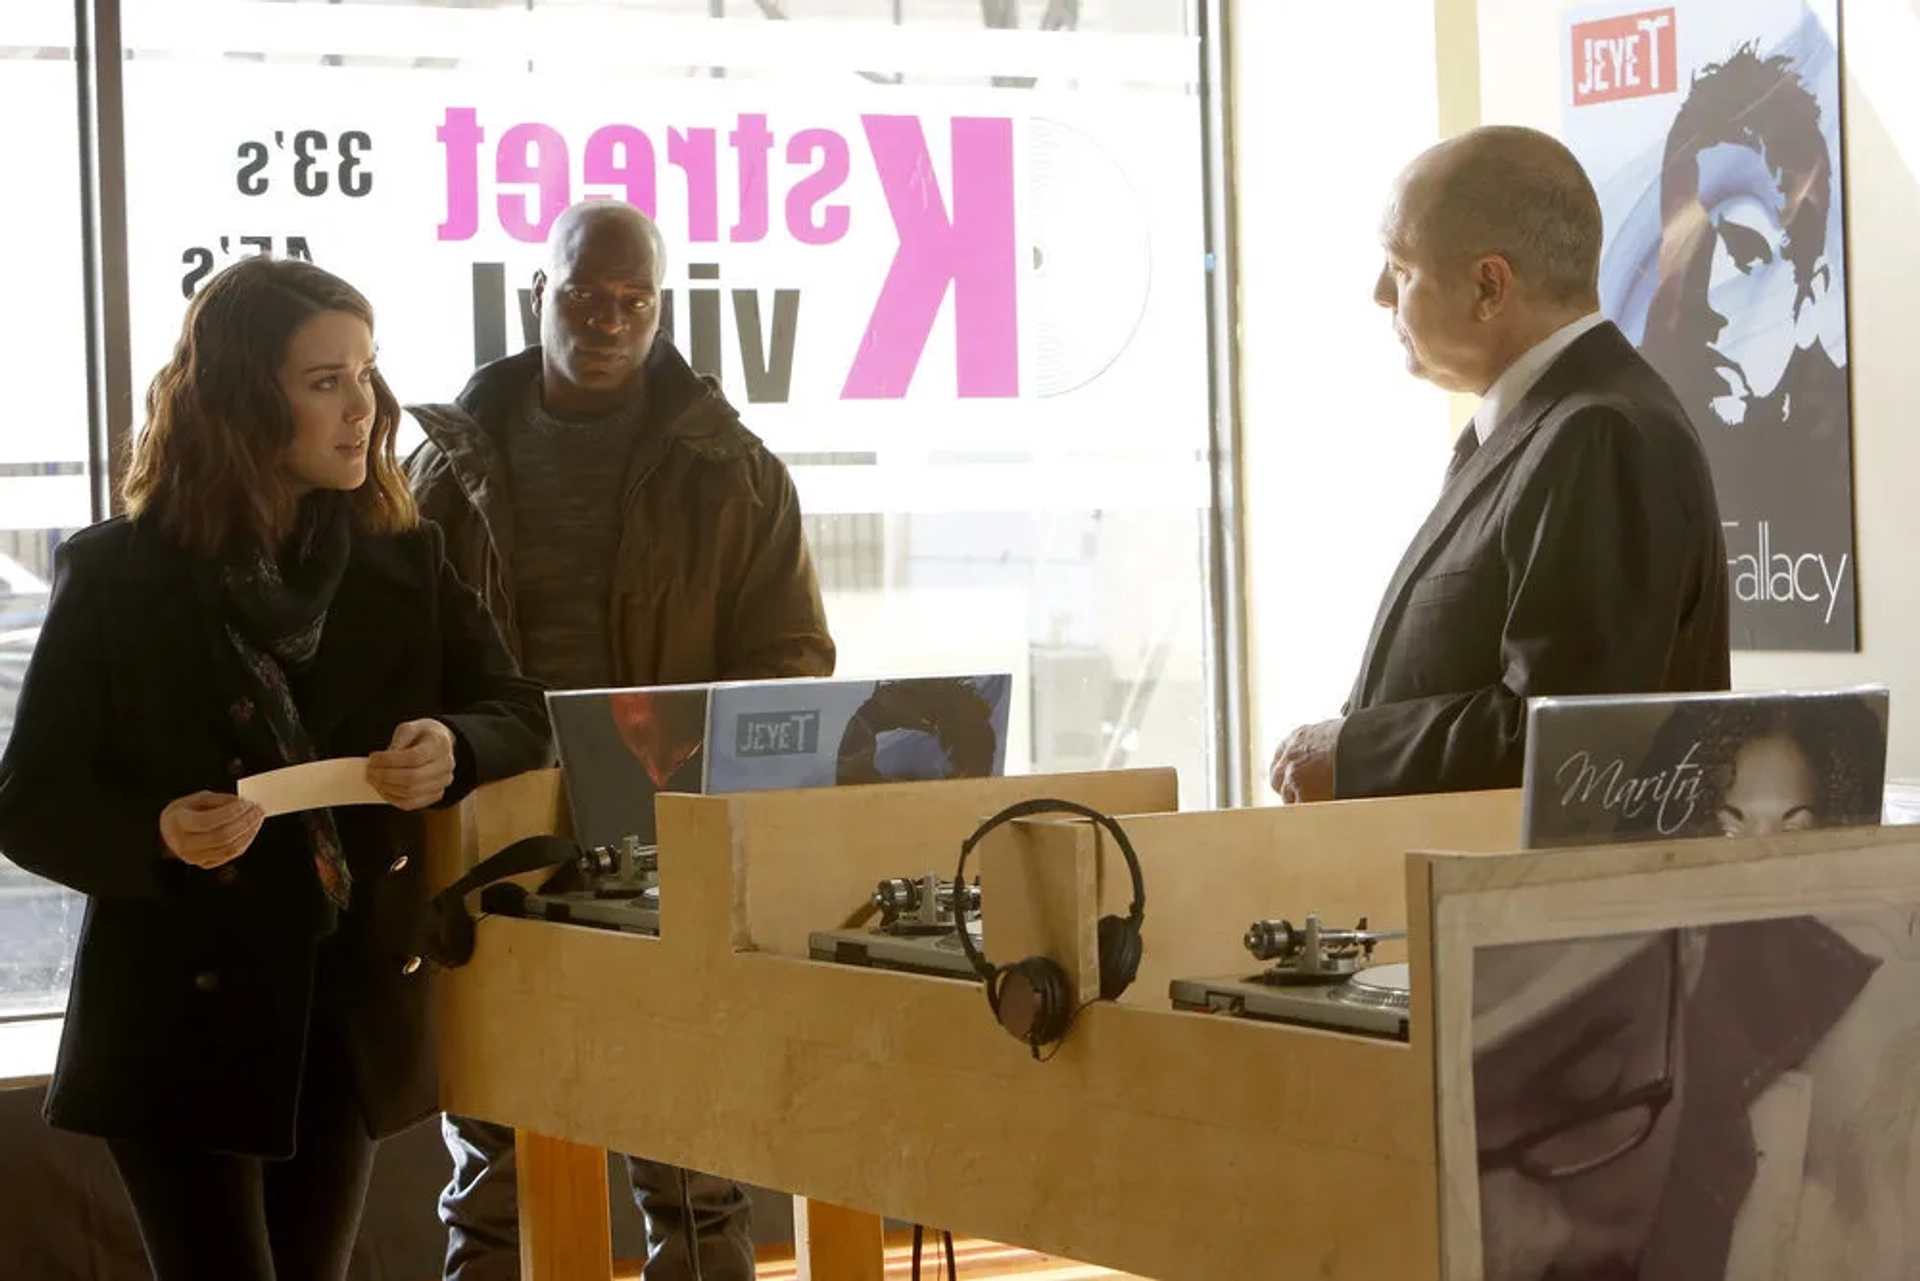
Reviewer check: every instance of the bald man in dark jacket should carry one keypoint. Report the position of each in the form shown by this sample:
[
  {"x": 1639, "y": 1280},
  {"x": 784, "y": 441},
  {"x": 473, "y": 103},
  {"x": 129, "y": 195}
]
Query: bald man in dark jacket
[{"x": 1576, "y": 546}]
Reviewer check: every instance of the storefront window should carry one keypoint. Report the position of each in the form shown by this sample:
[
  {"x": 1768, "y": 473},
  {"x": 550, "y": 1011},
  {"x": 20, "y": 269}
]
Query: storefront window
[
  {"x": 44, "y": 493},
  {"x": 1344, "y": 449},
  {"x": 944, "y": 255}
]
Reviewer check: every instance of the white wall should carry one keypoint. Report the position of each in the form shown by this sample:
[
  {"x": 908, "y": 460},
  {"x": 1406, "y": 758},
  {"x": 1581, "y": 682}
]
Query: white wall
[
  {"x": 1344, "y": 451},
  {"x": 1519, "y": 80}
]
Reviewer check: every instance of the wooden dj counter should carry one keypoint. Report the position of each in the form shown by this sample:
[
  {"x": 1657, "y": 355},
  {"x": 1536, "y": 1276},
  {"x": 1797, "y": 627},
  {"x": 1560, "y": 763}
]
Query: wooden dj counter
[{"x": 1166, "y": 1144}]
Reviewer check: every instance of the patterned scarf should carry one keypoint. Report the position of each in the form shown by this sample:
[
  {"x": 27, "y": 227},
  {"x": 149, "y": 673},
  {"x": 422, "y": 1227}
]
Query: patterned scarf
[{"x": 276, "y": 612}]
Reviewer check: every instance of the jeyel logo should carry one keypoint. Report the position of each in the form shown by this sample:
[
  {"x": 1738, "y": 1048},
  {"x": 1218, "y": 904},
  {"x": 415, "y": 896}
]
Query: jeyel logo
[
  {"x": 1631, "y": 56},
  {"x": 778, "y": 734}
]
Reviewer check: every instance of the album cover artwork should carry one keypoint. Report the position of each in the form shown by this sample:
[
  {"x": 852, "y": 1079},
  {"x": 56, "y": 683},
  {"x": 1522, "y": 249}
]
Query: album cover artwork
[
  {"x": 765, "y": 736},
  {"x": 1715, "y": 1102},
  {"x": 620, "y": 748},
  {"x": 1608, "y": 768}
]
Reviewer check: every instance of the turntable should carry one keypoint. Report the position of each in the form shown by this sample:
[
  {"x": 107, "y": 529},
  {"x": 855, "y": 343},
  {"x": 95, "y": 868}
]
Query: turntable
[
  {"x": 622, "y": 891},
  {"x": 916, "y": 932},
  {"x": 1318, "y": 978}
]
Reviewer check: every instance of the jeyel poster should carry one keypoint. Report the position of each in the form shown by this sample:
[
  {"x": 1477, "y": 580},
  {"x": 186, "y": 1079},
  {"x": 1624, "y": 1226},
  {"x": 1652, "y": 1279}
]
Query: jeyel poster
[
  {"x": 1712, "y": 132},
  {"x": 863, "y": 269}
]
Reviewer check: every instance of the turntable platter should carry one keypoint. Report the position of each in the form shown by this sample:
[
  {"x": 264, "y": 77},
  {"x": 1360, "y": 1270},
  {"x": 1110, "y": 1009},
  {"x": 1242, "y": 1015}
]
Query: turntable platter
[{"x": 1383, "y": 986}]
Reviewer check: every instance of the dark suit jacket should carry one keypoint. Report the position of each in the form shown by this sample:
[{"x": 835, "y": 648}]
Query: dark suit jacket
[
  {"x": 1578, "y": 551},
  {"x": 193, "y": 991}
]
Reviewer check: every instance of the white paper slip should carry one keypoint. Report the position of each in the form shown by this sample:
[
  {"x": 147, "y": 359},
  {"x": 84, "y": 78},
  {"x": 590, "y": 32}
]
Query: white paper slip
[{"x": 315, "y": 785}]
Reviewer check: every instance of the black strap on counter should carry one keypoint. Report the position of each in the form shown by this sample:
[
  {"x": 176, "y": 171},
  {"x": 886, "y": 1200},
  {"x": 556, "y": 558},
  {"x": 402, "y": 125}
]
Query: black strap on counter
[{"x": 450, "y": 926}]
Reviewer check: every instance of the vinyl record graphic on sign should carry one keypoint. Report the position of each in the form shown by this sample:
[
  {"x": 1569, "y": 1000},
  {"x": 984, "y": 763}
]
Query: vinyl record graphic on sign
[{"x": 1090, "y": 257}]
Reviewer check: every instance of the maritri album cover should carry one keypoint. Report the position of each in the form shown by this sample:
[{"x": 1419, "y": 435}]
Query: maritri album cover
[{"x": 1639, "y": 768}]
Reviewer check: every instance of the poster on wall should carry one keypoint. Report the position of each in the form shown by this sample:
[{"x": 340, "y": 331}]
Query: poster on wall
[{"x": 1711, "y": 129}]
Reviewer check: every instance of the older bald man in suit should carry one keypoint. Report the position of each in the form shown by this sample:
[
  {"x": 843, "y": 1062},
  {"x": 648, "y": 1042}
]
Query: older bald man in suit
[{"x": 1576, "y": 545}]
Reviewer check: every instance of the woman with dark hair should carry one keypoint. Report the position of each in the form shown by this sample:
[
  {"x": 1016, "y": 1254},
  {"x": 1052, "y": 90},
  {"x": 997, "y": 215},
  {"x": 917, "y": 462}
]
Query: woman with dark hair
[
  {"x": 1802, "y": 764},
  {"x": 250, "y": 1007},
  {"x": 1775, "y": 766}
]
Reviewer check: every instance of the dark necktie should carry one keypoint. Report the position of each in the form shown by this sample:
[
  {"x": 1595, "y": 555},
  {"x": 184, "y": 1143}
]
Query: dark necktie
[{"x": 1463, "y": 449}]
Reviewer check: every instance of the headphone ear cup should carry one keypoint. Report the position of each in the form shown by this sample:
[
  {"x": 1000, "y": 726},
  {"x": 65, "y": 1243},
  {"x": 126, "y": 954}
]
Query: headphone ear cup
[
  {"x": 1055, "y": 1000},
  {"x": 1120, "y": 950},
  {"x": 1033, "y": 1001},
  {"x": 992, "y": 986}
]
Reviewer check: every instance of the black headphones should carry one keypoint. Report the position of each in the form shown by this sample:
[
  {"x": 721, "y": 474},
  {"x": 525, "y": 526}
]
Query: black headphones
[{"x": 1033, "y": 999}]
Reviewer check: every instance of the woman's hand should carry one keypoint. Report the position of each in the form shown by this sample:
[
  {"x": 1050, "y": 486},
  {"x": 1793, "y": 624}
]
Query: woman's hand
[
  {"x": 417, "y": 766},
  {"x": 208, "y": 829}
]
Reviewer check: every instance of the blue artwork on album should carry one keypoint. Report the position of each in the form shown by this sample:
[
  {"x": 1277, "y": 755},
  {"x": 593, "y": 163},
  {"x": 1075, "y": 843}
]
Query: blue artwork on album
[{"x": 792, "y": 734}]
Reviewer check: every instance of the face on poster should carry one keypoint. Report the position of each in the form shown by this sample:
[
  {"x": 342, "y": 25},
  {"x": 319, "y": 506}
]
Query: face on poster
[
  {"x": 1710, "y": 1102},
  {"x": 863, "y": 269},
  {"x": 1604, "y": 769},
  {"x": 1711, "y": 129}
]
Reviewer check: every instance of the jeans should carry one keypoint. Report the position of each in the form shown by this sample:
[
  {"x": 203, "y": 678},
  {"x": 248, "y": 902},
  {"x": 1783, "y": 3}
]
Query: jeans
[{"x": 480, "y": 1209}]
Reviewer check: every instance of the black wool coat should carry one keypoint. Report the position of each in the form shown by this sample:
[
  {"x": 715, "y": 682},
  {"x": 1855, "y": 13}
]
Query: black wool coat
[{"x": 194, "y": 991}]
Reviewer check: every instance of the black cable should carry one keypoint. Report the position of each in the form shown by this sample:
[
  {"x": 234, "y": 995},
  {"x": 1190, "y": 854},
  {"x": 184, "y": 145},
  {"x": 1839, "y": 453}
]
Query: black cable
[
  {"x": 1057, "y": 1046},
  {"x": 952, "y": 1269}
]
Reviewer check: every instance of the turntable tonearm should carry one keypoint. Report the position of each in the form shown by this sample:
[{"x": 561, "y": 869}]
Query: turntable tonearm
[
  {"x": 916, "y": 931},
  {"x": 622, "y": 890},
  {"x": 1319, "y": 978}
]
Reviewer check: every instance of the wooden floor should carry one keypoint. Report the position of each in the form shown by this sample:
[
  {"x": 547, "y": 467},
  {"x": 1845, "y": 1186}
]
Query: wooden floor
[{"x": 975, "y": 1259}]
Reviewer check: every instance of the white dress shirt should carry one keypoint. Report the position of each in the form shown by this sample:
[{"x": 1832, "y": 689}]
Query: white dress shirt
[{"x": 1512, "y": 386}]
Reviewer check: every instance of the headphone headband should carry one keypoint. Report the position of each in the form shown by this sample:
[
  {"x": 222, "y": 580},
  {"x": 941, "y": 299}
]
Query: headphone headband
[{"x": 1027, "y": 809}]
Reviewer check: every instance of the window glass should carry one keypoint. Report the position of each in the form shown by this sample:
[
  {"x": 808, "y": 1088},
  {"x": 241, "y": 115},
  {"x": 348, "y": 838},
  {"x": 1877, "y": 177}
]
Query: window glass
[
  {"x": 1344, "y": 450},
  {"x": 945, "y": 256},
  {"x": 43, "y": 437}
]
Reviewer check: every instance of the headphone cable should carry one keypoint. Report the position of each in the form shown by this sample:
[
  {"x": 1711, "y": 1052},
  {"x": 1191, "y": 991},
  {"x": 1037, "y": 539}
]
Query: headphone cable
[{"x": 952, "y": 1267}]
